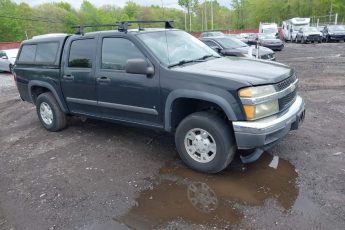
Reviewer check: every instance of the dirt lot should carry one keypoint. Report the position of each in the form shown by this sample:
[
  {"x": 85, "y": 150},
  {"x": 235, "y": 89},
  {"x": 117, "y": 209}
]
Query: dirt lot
[{"x": 96, "y": 175}]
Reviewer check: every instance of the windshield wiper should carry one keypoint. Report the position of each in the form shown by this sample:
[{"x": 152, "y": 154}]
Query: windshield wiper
[
  {"x": 184, "y": 61},
  {"x": 207, "y": 56}
]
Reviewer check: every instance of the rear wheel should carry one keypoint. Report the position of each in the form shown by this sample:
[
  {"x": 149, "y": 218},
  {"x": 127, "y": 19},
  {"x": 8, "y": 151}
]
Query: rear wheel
[
  {"x": 49, "y": 112},
  {"x": 205, "y": 142}
]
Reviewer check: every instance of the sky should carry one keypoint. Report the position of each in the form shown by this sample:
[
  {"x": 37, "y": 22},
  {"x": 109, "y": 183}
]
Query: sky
[{"x": 76, "y": 3}]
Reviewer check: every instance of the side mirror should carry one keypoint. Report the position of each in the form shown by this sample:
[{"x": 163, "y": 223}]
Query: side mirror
[
  {"x": 139, "y": 66},
  {"x": 4, "y": 57}
]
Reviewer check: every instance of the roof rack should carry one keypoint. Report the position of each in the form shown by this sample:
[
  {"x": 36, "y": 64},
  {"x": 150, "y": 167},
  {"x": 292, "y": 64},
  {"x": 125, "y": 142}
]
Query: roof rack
[{"x": 123, "y": 25}]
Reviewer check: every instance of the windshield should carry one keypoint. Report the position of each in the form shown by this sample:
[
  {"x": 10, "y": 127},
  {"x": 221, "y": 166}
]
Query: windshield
[
  {"x": 270, "y": 30},
  {"x": 311, "y": 29},
  {"x": 217, "y": 34},
  {"x": 296, "y": 27},
  {"x": 230, "y": 43},
  {"x": 174, "y": 46},
  {"x": 336, "y": 28}
]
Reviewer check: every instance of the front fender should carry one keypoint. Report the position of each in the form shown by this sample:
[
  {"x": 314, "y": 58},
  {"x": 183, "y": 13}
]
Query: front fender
[{"x": 194, "y": 94}]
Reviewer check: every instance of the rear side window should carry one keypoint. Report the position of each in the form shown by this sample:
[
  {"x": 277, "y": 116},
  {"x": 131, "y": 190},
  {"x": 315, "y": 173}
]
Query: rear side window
[
  {"x": 81, "y": 53},
  {"x": 116, "y": 52},
  {"x": 2, "y": 54},
  {"x": 28, "y": 53},
  {"x": 46, "y": 52}
]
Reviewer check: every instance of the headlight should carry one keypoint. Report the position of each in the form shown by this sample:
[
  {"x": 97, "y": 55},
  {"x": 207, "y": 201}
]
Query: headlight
[{"x": 258, "y": 110}]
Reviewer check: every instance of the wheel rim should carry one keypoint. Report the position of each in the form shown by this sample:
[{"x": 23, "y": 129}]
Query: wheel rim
[
  {"x": 46, "y": 113},
  {"x": 200, "y": 145}
]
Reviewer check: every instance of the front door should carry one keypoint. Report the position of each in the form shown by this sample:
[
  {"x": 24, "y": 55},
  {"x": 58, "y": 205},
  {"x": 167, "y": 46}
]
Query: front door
[
  {"x": 78, "y": 80},
  {"x": 123, "y": 96}
]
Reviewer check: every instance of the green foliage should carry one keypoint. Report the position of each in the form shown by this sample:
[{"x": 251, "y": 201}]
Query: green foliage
[{"x": 19, "y": 21}]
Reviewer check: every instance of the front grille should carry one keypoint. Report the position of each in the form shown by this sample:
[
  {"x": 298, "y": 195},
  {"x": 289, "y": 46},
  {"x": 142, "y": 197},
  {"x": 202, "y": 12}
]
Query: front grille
[
  {"x": 286, "y": 83},
  {"x": 286, "y": 101}
]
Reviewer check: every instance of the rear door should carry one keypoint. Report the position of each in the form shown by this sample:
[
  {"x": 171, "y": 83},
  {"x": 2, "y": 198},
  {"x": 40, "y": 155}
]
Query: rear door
[
  {"x": 78, "y": 79},
  {"x": 123, "y": 96}
]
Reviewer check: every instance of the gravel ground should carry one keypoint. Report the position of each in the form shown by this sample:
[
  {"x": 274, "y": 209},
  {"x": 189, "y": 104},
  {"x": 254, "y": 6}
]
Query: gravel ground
[{"x": 96, "y": 175}]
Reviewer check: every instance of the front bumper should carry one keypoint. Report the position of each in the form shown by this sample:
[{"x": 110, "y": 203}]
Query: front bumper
[
  {"x": 336, "y": 37},
  {"x": 267, "y": 131},
  {"x": 274, "y": 46}
]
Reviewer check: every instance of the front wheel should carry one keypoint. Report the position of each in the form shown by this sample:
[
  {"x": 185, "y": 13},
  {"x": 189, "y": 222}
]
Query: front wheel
[
  {"x": 303, "y": 40},
  {"x": 49, "y": 112},
  {"x": 205, "y": 142}
]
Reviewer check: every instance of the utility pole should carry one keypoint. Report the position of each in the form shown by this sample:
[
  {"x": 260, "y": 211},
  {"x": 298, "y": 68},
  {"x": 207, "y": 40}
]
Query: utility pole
[
  {"x": 185, "y": 21},
  {"x": 331, "y": 12},
  {"x": 205, "y": 8},
  {"x": 212, "y": 14}
]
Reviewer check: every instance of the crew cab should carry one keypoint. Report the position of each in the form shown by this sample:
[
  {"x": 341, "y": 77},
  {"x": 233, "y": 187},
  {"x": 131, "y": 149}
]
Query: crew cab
[{"x": 164, "y": 79}]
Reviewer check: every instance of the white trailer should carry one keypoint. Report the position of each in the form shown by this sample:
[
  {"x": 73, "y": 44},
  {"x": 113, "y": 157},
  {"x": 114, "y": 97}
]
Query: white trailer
[{"x": 290, "y": 27}]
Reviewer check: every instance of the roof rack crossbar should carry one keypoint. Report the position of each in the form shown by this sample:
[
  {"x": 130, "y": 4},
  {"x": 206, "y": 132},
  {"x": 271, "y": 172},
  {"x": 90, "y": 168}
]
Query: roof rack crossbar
[
  {"x": 80, "y": 28},
  {"x": 123, "y": 25}
]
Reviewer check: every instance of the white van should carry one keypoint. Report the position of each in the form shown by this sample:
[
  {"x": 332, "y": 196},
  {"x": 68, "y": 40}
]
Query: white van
[
  {"x": 290, "y": 27},
  {"x": 268, "y": 28}
]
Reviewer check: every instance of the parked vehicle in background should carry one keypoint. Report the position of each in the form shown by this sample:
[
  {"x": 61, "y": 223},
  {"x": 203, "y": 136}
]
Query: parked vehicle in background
[
  {"x": 270, "y": 41},
  {"x": 241, "y": 37},
  {"x": 228, "y": 46},
  {"x": 268, "y": 28},
  {"x": 211, "y": 34},
  {"x": 164, "y": 79},
  {"x": 7, "y": 59},
  {"x": 252, "y": 39},
  {"x": 333, "y": 33},
  {"x": 308, "y": 34},
  {"x": 291, "y": 27}
]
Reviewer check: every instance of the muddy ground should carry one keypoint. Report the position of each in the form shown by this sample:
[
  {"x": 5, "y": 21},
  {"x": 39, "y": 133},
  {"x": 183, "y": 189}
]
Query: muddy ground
[{"x": 96, "y": 175}]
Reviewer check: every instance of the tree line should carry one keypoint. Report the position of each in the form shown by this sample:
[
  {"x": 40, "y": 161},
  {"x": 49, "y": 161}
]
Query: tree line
[{"x": 21, "y": 21}]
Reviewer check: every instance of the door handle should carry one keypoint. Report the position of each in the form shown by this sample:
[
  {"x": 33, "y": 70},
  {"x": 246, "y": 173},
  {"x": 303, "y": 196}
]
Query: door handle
[
  {"x": 69, "y": 77},
  {"x": 103, "y": 80}
]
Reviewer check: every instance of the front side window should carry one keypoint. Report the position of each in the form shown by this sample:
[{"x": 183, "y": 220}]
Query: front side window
[
  {"x": 28, "y": 53},
  {"x": 81, "y": 53},
  {"x": 46, "y": 52},
  {"x": 116, "y": 52}
]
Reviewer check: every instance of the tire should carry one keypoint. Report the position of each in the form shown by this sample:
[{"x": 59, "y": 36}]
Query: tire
[
  {"x": 218, "y": 132},
  {"x": 303, "y": 40},
  {"x": 49, "y": 112}
]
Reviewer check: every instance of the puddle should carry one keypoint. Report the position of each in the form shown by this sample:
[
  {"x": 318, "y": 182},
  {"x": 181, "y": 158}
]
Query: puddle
[{"x": 179, "y": 193}]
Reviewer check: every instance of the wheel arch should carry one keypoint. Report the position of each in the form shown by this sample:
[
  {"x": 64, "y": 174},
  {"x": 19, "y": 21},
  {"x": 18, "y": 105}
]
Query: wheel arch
[
  {"x": 46, "y": 87},
  {"x": 195, "y": 95}
]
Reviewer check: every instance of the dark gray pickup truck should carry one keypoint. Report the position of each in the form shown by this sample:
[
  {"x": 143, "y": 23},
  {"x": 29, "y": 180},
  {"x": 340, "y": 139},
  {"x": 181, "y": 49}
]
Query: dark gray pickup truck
[{"x": 164, "y": 79}]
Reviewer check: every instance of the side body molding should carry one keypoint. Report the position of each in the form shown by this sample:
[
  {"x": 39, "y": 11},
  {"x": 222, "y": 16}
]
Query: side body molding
[
  {"x": 32, "y": 83},
  {"x": 194, "y": 94}
]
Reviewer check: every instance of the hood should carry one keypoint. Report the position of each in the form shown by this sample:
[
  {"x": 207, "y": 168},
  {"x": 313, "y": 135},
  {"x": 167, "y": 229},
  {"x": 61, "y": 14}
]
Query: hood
[
  {"x": 251, "y": 71},
  {"x": 263, "y": 50},
  {"x": 338, "y": 32},
  {"x": 312, "y": 33}
]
